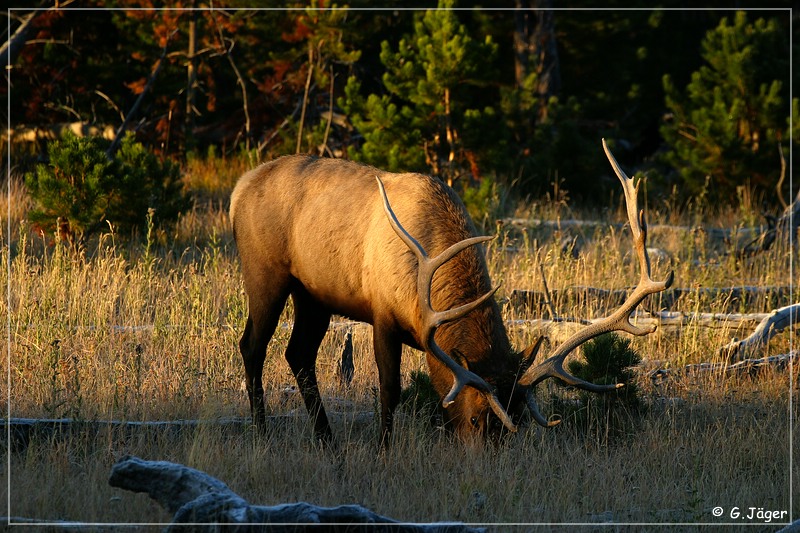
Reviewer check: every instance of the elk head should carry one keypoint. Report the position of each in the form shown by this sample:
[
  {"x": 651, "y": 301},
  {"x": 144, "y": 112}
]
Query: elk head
[{"x": 433, "y": 319}]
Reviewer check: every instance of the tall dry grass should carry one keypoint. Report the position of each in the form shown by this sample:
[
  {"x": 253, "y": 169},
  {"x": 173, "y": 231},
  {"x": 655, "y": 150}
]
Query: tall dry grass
[{"x": 136, "y": 330}]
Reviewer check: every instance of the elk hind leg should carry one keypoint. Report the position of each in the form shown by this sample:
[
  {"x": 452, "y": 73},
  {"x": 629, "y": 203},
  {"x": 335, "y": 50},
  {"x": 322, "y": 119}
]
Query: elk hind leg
[
  {"x": 310, "y": 325},
  {"x": 262, "y": 320}
]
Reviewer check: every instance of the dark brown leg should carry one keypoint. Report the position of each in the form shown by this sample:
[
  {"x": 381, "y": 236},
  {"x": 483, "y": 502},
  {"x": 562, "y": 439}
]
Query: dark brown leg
[
  {"x": 387, "y": 355},
  {"x": 310, "y": 325}
]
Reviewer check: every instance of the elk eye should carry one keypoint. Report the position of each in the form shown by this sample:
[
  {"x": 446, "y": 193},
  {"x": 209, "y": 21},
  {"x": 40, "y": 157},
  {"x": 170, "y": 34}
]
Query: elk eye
[{"x": 474, "y": 421}]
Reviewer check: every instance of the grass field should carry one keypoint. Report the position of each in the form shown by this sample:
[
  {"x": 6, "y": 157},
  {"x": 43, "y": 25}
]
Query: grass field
[{"x": 134, "y": 331}]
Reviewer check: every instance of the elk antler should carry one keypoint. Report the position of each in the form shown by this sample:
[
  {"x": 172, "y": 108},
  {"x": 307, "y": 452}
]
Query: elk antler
[
  {"x": 432, "y": 319},
  {"x": 618, "y": 321}
]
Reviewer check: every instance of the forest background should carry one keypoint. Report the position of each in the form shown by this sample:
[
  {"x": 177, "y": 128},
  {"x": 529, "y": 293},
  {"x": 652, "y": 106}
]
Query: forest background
[{"x": 502, "y": 98}]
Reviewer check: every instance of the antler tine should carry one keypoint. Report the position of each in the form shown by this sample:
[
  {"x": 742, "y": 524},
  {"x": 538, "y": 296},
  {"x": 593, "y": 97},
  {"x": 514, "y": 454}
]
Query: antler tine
[
  {"x": 536, "y": 413},
  {"x": 617, "y": 321},
  {"x": 432, "y": 319}
]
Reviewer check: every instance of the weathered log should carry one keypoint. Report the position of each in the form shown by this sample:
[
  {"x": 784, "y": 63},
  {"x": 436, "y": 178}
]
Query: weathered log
[
  {"x": 722, "y": 234},
  {"x": 201, "y": 502},
  {"x": 771, "y": 325},
  {"x": 664, "y": 321},
  {"x": 18, "y": 433},
  {"x": 746, "y": 366},
  {"x": 671, "y": 319},
  {"x": 735, "y": 298},
  {"x": 741, "y": 350}
]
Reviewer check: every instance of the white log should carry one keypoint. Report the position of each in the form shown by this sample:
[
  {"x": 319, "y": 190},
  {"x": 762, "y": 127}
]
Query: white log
[
  {"x": 664, "y": 320},
  {"x": 745, "y": 366},
  {"x": 771, "y": 325},
  {"x": 565, "y": 224},
  {"x": 194, "y": 497},
  {"x": 534, "y": 302},
  {"x": 170, "y": 484}
]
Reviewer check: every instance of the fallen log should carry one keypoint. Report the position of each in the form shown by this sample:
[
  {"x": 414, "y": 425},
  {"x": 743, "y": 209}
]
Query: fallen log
[
  {"x": 745, "y": 366},
  {"x": 741, "y": 350},
  {"x": 198, "y": 499},
  {"x": 777, "y": 321},
  {"x": 522, "y": 224},
  {"x": 18, "y": 433},
  {"x": 734, "y": 298},
  {"x": 564, "y": 326}
]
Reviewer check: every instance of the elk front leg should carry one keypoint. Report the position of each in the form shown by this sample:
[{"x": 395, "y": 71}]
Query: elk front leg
[{"x": 387, "y": 355}]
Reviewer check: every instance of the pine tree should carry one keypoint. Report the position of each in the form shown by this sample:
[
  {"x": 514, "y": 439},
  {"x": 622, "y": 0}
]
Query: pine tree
[
  {"x": 727, "y": 124},
  {"x": 81, "y": 188},
  {"x": 430, "y": 79}
]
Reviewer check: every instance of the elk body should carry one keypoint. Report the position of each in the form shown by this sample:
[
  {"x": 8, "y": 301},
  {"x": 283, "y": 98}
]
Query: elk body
[{"x": 397, "y": 251}]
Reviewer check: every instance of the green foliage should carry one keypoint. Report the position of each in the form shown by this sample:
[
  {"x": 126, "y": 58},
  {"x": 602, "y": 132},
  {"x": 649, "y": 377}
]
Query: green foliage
[
  {"x": 391, "y": 134},
  {"x": 728, "y": 122},
  {"x": 82, "y": 186},
  {"x": 145, "y": 182},
  {"x": 438, "y": 58},
  {"x": 420, "y": 396},
  {"x": 272, "y": 78},
  {"x": 565, "y": 155},
  {"x": 73, "y": 185},
  {"x": 431, "y": 80},
  {"x": 608, "y": 359},
  {"x": 483, "y": 202}
]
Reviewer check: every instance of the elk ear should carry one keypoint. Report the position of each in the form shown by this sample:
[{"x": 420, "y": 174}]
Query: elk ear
[
  {"x": 459, "y": 358},
  {"x": 529, "y": 354}
]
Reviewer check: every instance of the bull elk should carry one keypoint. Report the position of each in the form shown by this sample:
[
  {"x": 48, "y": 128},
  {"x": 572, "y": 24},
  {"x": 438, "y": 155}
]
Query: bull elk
[{"x": 324, "y": 232}]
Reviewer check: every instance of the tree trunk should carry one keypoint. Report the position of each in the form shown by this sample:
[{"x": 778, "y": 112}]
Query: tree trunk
[
  {"x": 535, "y": 49},
  {"x": 547, "y": 66},
  {"x": 191, "y": 79},
  {"x": 523, "y": 23}
]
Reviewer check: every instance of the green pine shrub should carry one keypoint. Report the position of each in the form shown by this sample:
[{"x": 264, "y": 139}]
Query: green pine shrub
[
  {"x": 83, "y": 190},
  {"x": 420, "y": 397},
  {"x": 608, "y": 359}
]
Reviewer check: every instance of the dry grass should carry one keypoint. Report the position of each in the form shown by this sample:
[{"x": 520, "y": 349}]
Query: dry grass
[{"x": 117, "y": 333}]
